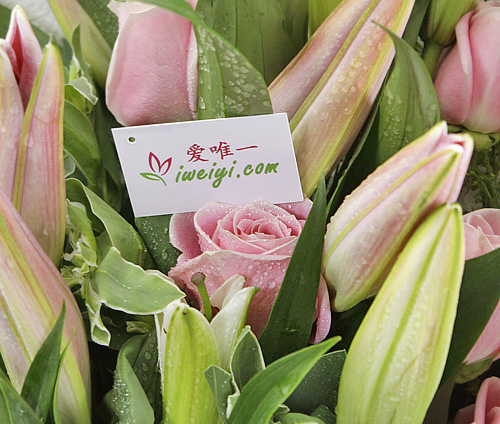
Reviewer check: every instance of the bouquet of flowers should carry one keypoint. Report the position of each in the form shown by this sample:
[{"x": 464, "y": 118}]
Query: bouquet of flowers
[{"x": 373, "y": 300}]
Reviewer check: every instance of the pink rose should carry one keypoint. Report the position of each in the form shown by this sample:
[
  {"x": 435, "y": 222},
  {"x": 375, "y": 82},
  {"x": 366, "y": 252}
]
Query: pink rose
[
  {"x": 487, "y": 407},
  {"x": 153, "y": 73},
  {"x": 482, "y": 235},
  {"x": 468, "y": 80},
  {"x": 255, "y": 241}
]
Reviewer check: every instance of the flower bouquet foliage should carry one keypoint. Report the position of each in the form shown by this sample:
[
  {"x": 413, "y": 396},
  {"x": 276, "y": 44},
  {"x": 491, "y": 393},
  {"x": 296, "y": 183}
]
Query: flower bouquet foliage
[{"x": 372, "y": 301}]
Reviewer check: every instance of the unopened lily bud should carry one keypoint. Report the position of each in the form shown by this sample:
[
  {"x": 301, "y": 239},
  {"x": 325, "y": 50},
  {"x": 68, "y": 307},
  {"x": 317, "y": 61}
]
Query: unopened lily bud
[
  {"x": 328, "y": 89},
  {"x": 395, "y": 362},
  {"x": 32, "y": 292},
  {"x": 371, "y": 227}
]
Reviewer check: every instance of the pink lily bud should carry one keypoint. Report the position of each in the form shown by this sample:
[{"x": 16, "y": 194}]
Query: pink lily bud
[
  {"x": 11, "y": 121},
  {"x": 39, "y": 190},
  {"x": 328, "y": 89},
  {"x": 153, "y": 74},
  {"x": 486, "y": 410},
  {"x": 482, "y": 235},
  {"x": 32, "y": 293},
  {"x": 26, "y": 53},
  {"x": 371, "y": 227},
  {"x": 468, "y": 79}
]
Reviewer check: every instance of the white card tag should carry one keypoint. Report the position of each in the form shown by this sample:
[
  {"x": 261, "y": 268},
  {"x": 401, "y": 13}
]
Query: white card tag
[{"x": 179, "y": 167}]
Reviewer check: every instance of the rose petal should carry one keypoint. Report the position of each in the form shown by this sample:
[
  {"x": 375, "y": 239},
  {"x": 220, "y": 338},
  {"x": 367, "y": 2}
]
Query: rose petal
[
  {"x": 265, "y": 272},
  {"x": 183, "y": 235}
]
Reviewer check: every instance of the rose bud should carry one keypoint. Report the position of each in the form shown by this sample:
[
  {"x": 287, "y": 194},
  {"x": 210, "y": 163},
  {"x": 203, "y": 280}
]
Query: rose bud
[
  {"x": 395, "y": 362},
  {"x": 373, "y": 224},
  {"x": 328, "y": 89},
  {"x": 255, "y": 241},
  {"x": 468, "y": 79},
  {"x": 32, "y": 292},
  {"x": 150, "y": 80}
]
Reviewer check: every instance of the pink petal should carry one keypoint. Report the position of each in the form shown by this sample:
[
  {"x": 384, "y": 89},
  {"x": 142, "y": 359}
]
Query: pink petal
[
  {"x": 40, "y": 193},
  {"x": 487, "y": 399},
  {"x": 11, "y": 122},
  {"x": 27, "y": 50},
  {"x": 151, "y": 80},
  {"x": 488, "y": 343},
  {"x": 483, "y": 36},
  {"x": 265, "y": 272},
  {"x": 465, "y": 416},
  {"x": 183, "y": 235}
]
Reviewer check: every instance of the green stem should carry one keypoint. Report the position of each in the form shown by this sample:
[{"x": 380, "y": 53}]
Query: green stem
[
  {"x": 198, "y": 279},
  {"x": 430, "y": 55}
]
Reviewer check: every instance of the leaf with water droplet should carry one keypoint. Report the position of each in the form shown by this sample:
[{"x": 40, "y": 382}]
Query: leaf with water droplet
[
  {"x": 218, "y": 62},
  {"x": 265, "y": 392}
]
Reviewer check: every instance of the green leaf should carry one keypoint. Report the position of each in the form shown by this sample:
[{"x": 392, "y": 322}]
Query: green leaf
[
  {"x": 142, "y": 353},
  {"x": 80, "y": 143},
  {"x": 228, "y": 85},
  {"x": 295, "y": 12},
  {"x": 319, "y": 11},
  {"x": 126, "y": 287},
  {"x": 220, "y": 382},
  {"x": 290, "y": 323},
  {"x": 40, "y": 381},
  {"x": 155, "y": 233},
  {"x": 320, "y": 385},
  {"x": 13, "y": 408},
  {"x": 479, "y": 296},
  {"x": 295, "y": 418},
  {"x": 247, "y": 360},
  {"x": 322, "y": 412},
  {"x": 409, "y": 105},
  {"x": 256, "y": 28},
  {"x": 415, "y": 22},
  {"x": 121, "y": 234},
  {"x": 111, "y": 186},
  {"x": 129, "y": 400},
  {"x": 105, "y": 20},
  {"x": 264, "y": 393}
]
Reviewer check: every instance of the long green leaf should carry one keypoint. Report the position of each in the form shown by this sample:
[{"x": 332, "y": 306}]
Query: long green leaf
[
  {"x": 479, "y": 295},
  {"x": 105, "y": 20},
  {"x": 409, "y": 105},
  {"x": 290, "y": 323},
  {"x": 80, "y": 143},
  {"x": 228, "y": 85},
  {"x": 39, "y": 384},
  {"x": 256, "y": 28},
  {"x": 129, "y": 400},
  {"x": 263, "y": 394},
  {"x": 320, "y": 385},
  {"x": 13, "y": 408}
]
